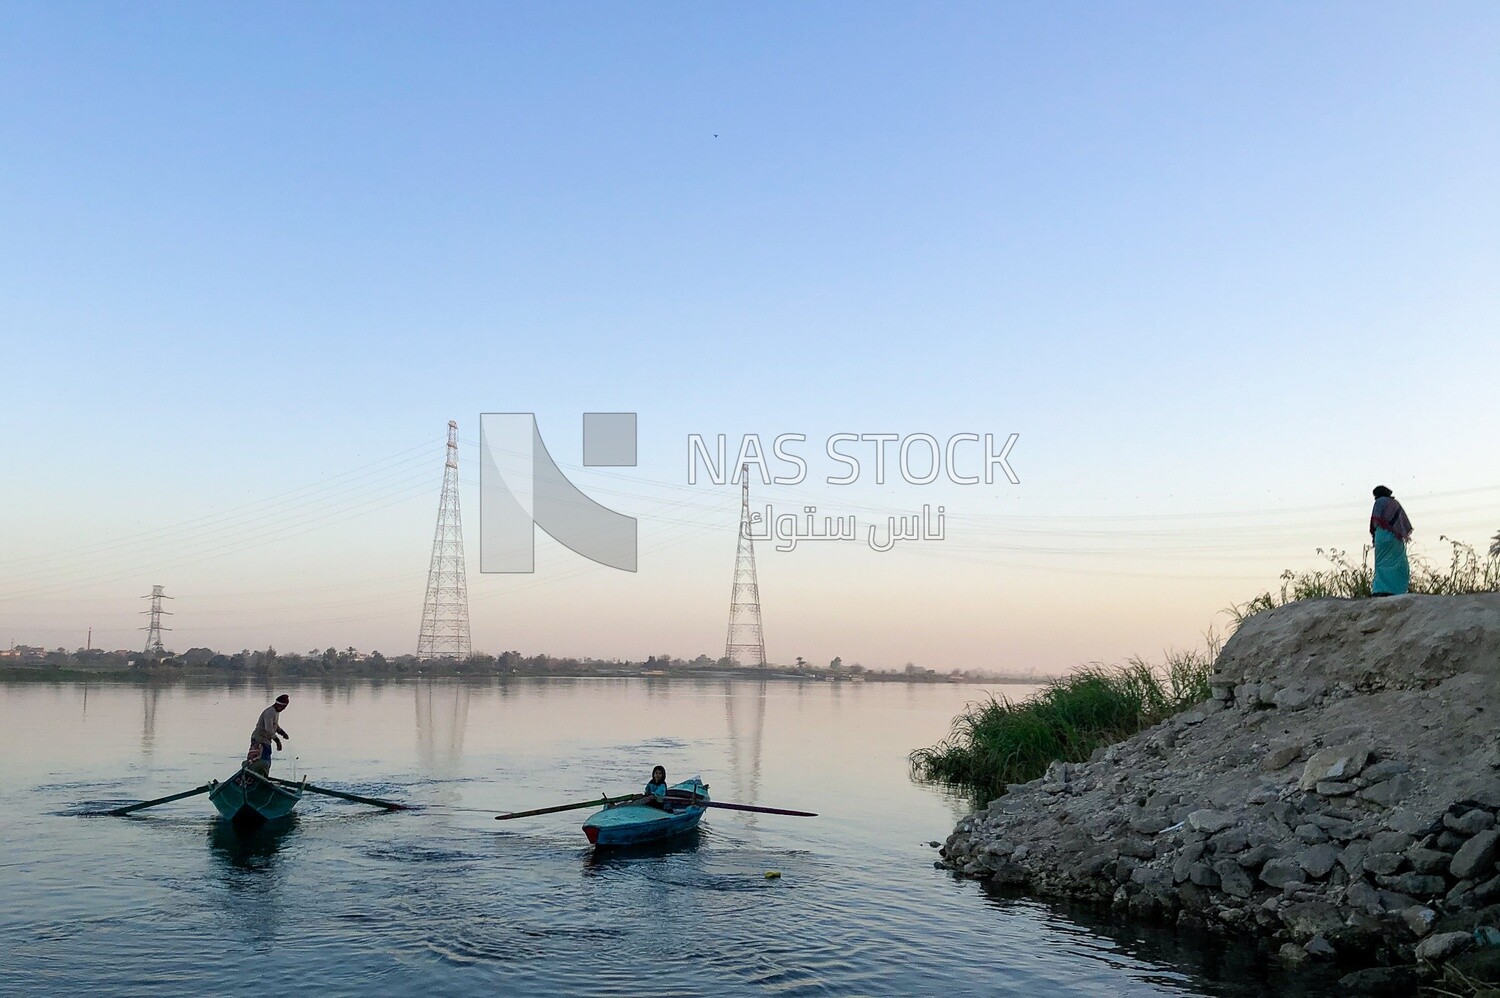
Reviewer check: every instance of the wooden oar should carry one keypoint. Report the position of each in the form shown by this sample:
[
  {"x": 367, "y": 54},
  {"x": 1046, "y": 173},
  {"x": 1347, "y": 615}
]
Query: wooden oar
[
  {"x": 562, "y": 807},
  {"x": 679, "y": 795},
  {"x": 759, "y": 810},
  {"x": 389, "y": 805},
  {"x": 161, "y": 800}
]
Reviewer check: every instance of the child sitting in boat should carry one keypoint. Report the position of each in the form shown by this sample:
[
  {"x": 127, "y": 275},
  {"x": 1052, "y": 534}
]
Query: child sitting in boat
[{"x": 656, "y": 790}]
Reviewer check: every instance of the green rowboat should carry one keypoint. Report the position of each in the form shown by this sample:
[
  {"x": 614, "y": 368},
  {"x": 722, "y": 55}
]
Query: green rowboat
[{"x": 248, "y": 800}]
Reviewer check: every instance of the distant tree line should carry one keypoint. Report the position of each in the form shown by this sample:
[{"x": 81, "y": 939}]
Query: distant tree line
[{"x": 353, "y": 663}]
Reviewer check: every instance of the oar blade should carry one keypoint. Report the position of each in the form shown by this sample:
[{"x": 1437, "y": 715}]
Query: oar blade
[
  {"x": 762, "y": 810},
  {"x": 389, "y": 805},
  {"x": 600, "y": 802}
]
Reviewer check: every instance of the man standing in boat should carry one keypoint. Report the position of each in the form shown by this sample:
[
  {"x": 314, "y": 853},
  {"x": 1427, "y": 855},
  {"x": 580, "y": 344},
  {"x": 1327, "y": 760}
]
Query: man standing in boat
[{"x": 268, "y": 731}]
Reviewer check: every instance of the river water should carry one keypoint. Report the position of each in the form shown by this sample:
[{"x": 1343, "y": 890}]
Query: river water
[{"x": 444, "y": 900}]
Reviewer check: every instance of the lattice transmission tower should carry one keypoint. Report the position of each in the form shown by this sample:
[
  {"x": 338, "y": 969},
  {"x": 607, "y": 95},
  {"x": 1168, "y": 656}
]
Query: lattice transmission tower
[
  {"x": 746, "y": 644},
  {"x": 445, "y": 611},
  {"x": 153, "y": 629}
]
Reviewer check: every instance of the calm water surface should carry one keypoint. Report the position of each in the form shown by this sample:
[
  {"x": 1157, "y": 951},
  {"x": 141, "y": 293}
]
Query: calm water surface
[{"x": 447, "y": 901}]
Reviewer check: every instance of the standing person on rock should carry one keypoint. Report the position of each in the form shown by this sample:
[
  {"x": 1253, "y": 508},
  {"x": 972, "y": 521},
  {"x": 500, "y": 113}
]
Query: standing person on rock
[{"x": 1390, "y": 529}]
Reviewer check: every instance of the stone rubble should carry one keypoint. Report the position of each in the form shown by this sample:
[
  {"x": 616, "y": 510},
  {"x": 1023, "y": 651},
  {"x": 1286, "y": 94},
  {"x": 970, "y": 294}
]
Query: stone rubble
[{"x": 1336, "y": 798}]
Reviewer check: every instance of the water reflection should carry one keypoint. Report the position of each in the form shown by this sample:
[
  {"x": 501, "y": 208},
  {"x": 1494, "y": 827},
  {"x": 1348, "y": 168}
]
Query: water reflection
[
  {"x": 1181, "y": 957},
  {"x": 603, "y": 858},
  {"x": 256, "y": 850},
  {"x": 150, "y": 697},
  {"x": 442, "y": 721},
  {"x": 745, "y": 707}
]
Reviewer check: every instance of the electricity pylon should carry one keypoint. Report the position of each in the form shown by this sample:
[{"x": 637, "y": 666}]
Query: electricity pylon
[
  {"x": 445, "y": 611},
  {"x": 153, "y": 629},
  {"x": 745, "y": 644}
]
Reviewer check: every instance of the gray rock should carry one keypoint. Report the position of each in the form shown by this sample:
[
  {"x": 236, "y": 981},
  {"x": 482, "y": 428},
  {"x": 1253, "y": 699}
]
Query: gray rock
[
  {"x": 1149, "y": 824},
  {"x": 1290, "y": 699},
  {"x": 1282, "y": 811},
  {"x": 1281, "y": 872},
  {"x": 1255, "y": 856},
  {"x": 1138, "y": 848},
  {"x": 1203, "y": 875},
  {"x": 1008, "y": 874},
  {"x": 1470, "y": 822},
  {"x": 1449, "y": 841},
  {"x": 1420, "y": 919},
  {"x": 1407, "y": 822},
  {"x": 1439, "y": 947},
  {"x": 1229, "y": 841},
  {"x": 1150, "y": 876},
  {"x": 1279, "y": 758},
  {"x": 1393, "y": 981},
  {"x": 1388, "y": 793},
  {"x": 1478, "y": 854},
  {"x": 1332, "y": 824},
  {"x": 1233, "y": 880},
  {"x": 1182, "y": 866},
  {"x": 1362, "y": 896},
  {"x": 1341, "y": 762},
  {"x": 1487, "y": 892},
  {"x": 1396, "y": 901},
  {"x": 1209, "y": 821},
  {"x": 1383, "y": 862},
  {"x": 1293, "y": 955},
  {"x": 1308, "y": 832},
  {"x": 1318, "y": 861},
  {"x": 1352, "y": 858},
  {"x": 1332, "y": 788},
  {"x": 1415, "y": 884},
  {"x": 1305, "y": 919},
  {"x": 1428, "y": 860},
  {"x": 1390, "y": 842},
  {"x": 1320, "y": 948},
  {"x": 1384, "y": 770}
]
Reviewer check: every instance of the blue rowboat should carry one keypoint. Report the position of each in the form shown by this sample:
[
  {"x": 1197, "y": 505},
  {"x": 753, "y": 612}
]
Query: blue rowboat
[
  {"x": 634, "y": 821},
  {"x": 248, "y": 800}
]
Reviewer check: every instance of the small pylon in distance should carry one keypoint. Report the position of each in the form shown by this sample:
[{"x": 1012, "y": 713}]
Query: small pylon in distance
[{"x": 154, "y": 628}]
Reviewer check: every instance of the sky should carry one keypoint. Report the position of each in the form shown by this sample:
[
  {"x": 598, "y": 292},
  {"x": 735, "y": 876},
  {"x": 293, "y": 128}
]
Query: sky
[{"x": 1221, "y": 267}]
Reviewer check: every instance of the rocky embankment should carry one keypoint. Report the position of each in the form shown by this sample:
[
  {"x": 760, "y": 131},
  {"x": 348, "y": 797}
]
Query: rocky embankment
[{"x": 1336, "y": 799}]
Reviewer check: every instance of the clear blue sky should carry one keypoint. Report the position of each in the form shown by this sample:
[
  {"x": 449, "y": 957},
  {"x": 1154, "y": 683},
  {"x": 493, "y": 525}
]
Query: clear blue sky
[{"x": 1204, "y": 258}]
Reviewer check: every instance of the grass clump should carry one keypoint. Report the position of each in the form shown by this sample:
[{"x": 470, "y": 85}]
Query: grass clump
[
  {"x": 999, "y": 741},
  {"x": 1467, "y": 571}
]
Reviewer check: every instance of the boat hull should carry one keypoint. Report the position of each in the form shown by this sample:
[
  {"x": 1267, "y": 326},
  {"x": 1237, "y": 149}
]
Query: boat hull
[
  {"x": 630, "y": 824},
  {"x": 248, "y": 800}
]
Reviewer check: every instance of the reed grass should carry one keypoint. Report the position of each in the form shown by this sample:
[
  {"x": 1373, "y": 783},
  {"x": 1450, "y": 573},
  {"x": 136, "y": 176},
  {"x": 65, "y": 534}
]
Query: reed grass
[
  {"x": 999, "y": 741},
  {"x": 1467, "y": 571}
]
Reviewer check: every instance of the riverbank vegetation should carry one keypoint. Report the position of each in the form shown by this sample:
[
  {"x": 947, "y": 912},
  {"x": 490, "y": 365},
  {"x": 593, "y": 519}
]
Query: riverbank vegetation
[
  {"x": 999, "y": 741},
  {"x": 1467, "y": 571}
]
